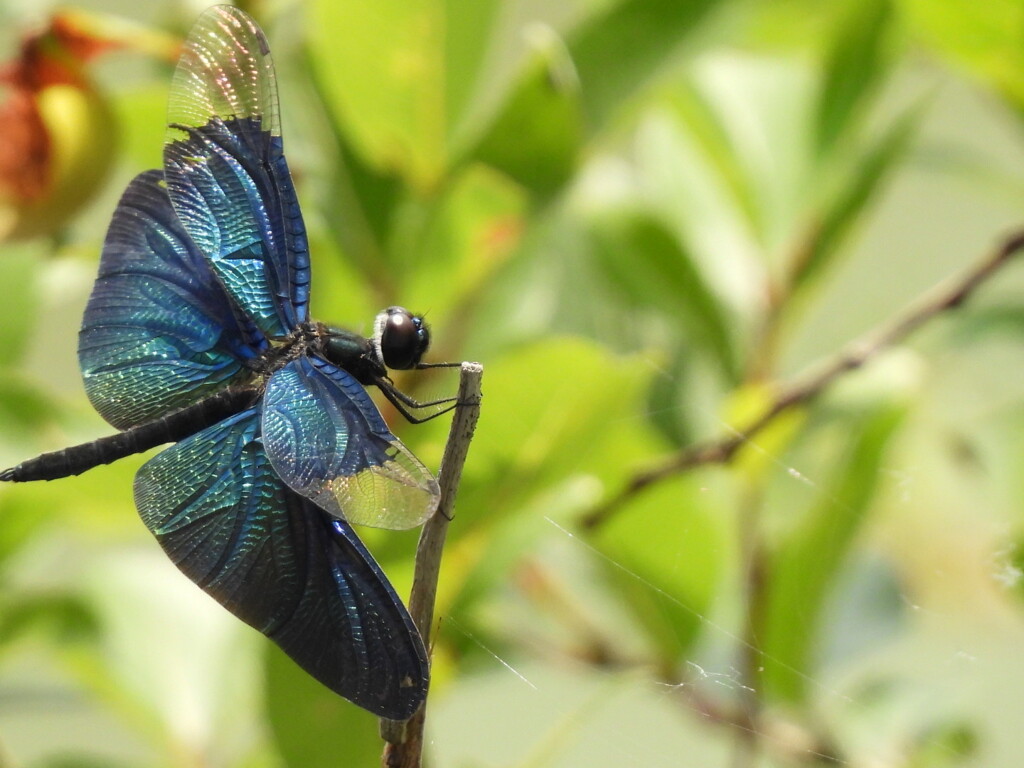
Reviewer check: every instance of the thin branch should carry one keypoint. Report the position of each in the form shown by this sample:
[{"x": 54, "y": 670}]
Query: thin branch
[
  {"x": 942, "y": 298},
  {"x": 404, "y": 748},
  {"x": 755, "y": 590}
]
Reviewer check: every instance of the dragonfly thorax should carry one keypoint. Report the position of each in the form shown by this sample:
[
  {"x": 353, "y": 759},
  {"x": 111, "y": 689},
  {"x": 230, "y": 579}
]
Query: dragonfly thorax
[{"x": 399, "y": 342}]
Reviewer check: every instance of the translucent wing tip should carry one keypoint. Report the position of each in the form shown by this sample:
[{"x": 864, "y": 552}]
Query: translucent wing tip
[
  {"x": 225, "y": 72},
  {"x": 396, "y": 495}
]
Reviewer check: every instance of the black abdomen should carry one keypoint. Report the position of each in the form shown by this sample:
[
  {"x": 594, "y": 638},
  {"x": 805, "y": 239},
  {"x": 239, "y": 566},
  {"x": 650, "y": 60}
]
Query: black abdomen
[{"x": 171, "y": 428}]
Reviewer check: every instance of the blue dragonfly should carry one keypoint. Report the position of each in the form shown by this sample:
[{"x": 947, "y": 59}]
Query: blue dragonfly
[{"x": 197, "y": 333}]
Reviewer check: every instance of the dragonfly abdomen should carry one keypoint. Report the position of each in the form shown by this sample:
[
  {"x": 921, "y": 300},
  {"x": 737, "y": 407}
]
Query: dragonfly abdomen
[{"x": 171, "y": 428}]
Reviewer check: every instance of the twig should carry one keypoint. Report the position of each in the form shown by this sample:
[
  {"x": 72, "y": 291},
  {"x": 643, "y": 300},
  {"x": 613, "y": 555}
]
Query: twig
[
  {"x": 943, "y": 297},
  {"x": 404, "y": 748},
  {"x": 755, "y": 590}
]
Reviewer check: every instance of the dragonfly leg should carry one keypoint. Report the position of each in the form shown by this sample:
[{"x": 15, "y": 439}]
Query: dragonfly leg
[{"x": 405, "y": 405}]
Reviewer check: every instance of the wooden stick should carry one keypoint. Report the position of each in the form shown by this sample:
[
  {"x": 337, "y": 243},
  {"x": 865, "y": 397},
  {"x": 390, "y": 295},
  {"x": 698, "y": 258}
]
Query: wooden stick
[{"x": 404, "y": 748}]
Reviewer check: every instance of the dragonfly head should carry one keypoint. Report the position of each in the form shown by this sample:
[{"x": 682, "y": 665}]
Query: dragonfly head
[{"x": 400, "y": 338}]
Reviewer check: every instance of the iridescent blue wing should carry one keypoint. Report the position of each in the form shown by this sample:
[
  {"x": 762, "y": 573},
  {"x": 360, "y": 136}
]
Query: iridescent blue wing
[
  {"x": 282, "y": 565},
  {"x": 227, "y": 174},
  {"x": 159, "y": 332},
  {"x": 326, "y": 439}
]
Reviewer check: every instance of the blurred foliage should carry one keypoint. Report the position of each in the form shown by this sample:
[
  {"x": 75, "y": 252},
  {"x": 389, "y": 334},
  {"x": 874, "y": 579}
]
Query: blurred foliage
[{"x": 642, "y": 216}]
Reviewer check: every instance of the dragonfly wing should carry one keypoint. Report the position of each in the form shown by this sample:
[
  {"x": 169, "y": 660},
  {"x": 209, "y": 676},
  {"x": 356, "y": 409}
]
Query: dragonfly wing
[
  {"x": 282, "y": 565},
  {"x": 227, "y": 174},
  {"x": 159, "y": 332},
  {"x": 327, "y": 441}
]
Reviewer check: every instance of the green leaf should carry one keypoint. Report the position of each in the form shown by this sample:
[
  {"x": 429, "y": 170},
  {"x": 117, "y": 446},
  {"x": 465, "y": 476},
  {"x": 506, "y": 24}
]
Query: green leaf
[
  {"x": 946, "y": 745},
  {"x": 544, "y": 445},
  {"x": 729, "y": 160},
  {"x": 619, "y": 51},
  {"x": 665, "y": 554},
  {"x": 648, "y": 264},
  {"x": 697, "y": 110},
  {"x": 18, "y": 269},
  {"x": 537, "y": 430},
  {"x": 536, "y": 136},
  {"x": 856, "y": 64},
  {"x": 473, "y": 232},
  {"x": 80, "y": 761},
  {"x": 25, "y": 412},
  {"x": 976, "y": 324},
  {"x": 359, "y": 201},
  {"x": 802, "y": 570},
  {"x": 65, "y": 618},
  {"x": 313, "y": 726},
  {"x": 985, "y": 38},
  {"x": 397, "y": 74},
  {"x": 382, "y": 67},
  {"x": 165, "y": 642},
  {"x": 467, "y": 43},
  {"x": 142, "y": 119},
  {"x": 862, "y": 185}
]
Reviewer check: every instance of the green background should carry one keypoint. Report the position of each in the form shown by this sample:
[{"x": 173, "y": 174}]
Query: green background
[{"x": 642, "y": 217}]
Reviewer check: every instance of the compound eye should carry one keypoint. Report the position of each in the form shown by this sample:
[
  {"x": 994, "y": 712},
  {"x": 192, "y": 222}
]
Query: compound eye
[{"x": 403, "y": 339}]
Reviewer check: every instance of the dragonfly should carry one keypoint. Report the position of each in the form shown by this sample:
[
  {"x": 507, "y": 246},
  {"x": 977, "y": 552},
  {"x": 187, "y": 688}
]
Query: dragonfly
[{"x": 197, "y": 333}]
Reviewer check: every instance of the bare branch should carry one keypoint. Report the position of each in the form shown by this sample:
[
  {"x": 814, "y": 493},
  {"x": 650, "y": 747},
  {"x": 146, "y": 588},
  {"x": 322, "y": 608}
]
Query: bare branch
[
  {"x": 404, "y": 748},
  {"x": 946, "y": 296}
]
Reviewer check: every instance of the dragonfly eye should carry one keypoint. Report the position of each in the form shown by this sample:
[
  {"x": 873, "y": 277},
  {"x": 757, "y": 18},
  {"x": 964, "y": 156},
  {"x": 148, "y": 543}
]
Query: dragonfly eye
[{"x": 402, "y": 338}]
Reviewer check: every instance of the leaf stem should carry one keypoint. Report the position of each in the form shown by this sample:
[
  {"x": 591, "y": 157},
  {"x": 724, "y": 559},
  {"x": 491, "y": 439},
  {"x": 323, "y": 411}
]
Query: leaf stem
[{"x": 943, "y": 297}]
